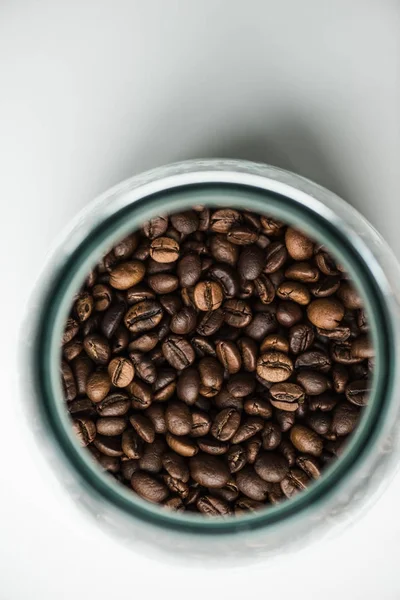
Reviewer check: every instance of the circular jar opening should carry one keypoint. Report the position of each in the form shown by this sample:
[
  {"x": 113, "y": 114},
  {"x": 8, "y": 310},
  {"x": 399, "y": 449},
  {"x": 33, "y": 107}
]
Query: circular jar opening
[{"x": 315, "y": 222}]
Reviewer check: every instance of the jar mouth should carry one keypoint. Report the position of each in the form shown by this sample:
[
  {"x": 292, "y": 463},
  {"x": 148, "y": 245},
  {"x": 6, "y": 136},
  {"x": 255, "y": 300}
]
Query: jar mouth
[{"x": 298, "y": 209}]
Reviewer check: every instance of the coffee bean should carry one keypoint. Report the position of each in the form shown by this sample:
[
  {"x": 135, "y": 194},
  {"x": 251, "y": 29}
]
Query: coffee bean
[
  {"x": 114, "y": 405},
  {"x": 310, "y": 466},
  {"x": 209, "y": 471},
  {"x": 223, "y": 250},
  {"x": 97, "y": 348},
  {"x": 201, "y": 424},
  {"x": 251, "y": 262},
  {"x": 127, "y": 274},
  {"x": 85, "y": 430},
  {"x": 306, "y": 440},
  {"x": 68, "y": 382},
  {"x": 182, "y": 445},
  {"x": 208, "y": 295},
  {"x": 288, "y": 313},
  {"x": 302, "y": 271},
  {"x": 110, "y": 425},
  {"x": 227, "y": 277},
  {"x": 184, "y": 321},
  {"x": 357, "y": 392},
  {"x": 225, "y": 425},
  {"x": 326, "y": 313},
  {"x": 295, "y": 291},
  {"x": 185, "y": 222},
  {"x": 313, "y": 359},
  {"x": 313, "y": 382},
  {"x": 294, "y": 482},
  {"x": 271, "y": 436},
  {"x": 151, "y": 459},
  {"x": 178, "y": 352},
  {"x": 163, "y": 283},
  {"x": 246, "y": 505},
  {"x": 211, "y": 376},
  {"x": 271, "y": 227},
  {"x": 156, "y": 414},
  {"x": 276, "y": 342},
  {"x": 84, "y": 306},
  {"x": 286, "y": 396},
  {"x": 178, "y": 418},
  {"x": 285, "y": 419},
  {"x": 251, "y": 426},
  {"x": 110, "y": 446},
  {"x": 121, "y": 372},
  {"x": 237, "y": 313},
  {"x": 144, "y": 427},
  {"x": 70, "y": 331},
  {"x": 224, "y": 219},
  {"x": 236, "y": 458},
  {"x": 248, "y": 351},
  {"x": 287, "y": 449},
  {"x": 274, "y": 366},
  {"x": 213, "y": 507},
  {"x": 210, "y": 445},
  {"x": 225, "y": 400},
  {"x": 164, "y": 250},
  {"x": 251, "y": 485},
  {"x": 275, "y": 257},
  {"x": 210, "y": 322},
  {"x": 301, "y": 337},
  {"x": 143, "y": 316},
  {"x": 271, "y": 467},
  {"x": 362, "y": 347},
  {"x": 258, "y": 407},
  {"x": 320, "y": 422},
  {"x": 148, "y": 487},
  {"x": 298, "y": 245}
]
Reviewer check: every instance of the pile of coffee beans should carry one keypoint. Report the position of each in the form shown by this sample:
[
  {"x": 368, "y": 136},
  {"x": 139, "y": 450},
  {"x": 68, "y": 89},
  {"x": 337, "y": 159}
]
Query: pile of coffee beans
[{"x": 216, "y": 361}]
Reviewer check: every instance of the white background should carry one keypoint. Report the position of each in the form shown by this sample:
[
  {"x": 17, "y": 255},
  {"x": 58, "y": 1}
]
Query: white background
[{"x": 94, "y": 91}]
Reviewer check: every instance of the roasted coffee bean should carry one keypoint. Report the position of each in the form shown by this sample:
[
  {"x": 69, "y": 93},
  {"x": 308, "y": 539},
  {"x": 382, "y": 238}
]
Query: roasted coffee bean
[
  {"x": 114, "y": 405},
  {"x": 224, "y": 219},
  {"x": 164, "y": 250},
  {"x": 227, "y": 277},
  {"x": 225, "y": 424},
  {"x": 261, "y": 325},
  {"x": 248, "y": 351},
  {"x": 148, "y": 487},
  {"x": 288, "y": 313},
  {"x": 111, "y": 425},
  {"x": 326, "y": 313},
  {"x": 178, "y": 418},
  {"x": 306, "y": 440},
  {"x": 178, "y": 352},
  {"x": 143, "y": 427},
  {"x": 209, "y": 471},
  {"x": 251, "y": 262},
  {"x": 298, "y": 245},
  {"x": 275, "y": 257},
  {"x": 201, "y": 424},
  {"x": 271, "y": 467},
  {"x": 286, "y": 396},
  {"x": 285, "y": 418},
  {"x": 294, "y": 482},
  {"x": 223, "y": 250},
  {"x": 235, "y": 341},
  {"x": 274, "y": 367},
  {"x": 357, "y": 392},
  {"x": 271, "y": 436},
  {"x": 210, "y": 322},
  {"x": 251, "y": 426},
  {"x": 208, "y": 295},
  {"x": 258, "y": 407},
  {"x": 251, "y": 485}
]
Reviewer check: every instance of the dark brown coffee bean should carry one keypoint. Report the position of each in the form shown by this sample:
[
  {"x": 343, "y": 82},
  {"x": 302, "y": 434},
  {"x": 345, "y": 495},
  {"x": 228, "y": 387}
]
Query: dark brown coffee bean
[
  {"x": 237, "y": 313},
  {"x": 111, "y": 425},
  {"x": 142, "y": 252},
  {"x": 189, "y": 270},
  {"x": 210, "y": 445},
  {"x": 225, "y": 424},
  {"x": 287, "y": 449},
  {"x": 313, "y": 382},
  {"x": 164, "y": 250},
  {"x": 309, "y": 465},
  {"x": 213, "y": 507},
  {"x": 314, "y": 359},
  {"x": 306, "y": 440},
  {"x": 295, "y": 291},
  {"x": 301, "y": 338},
  {"x": 84, "y": 306},
  {"x": 165, "y": 385},
  {"x": 82, "y": 367},
  {"x": 182, "y": 445},
  {"x": 70, "y": 331},
  {"x": 110, "y": 446},
  {"x": 245, "y": 505},
  {"x": 102, "y": 297},
  {"x": 288, "y": 313},
  {"x": 210, "y": 322},
  {"x": 144, "y": 343},
  {"x": 151, "y": 459},
  {"x": 294, "y": 482},
  {"x": 144, "y": 427},
  {"x": 144, "y": 367},
  {"x": 184, "y": 321},
  {"x": 298, "y": 245},
  {"x": 324, "y": 402},
  {"x": 178, "y": 418},
  {"x": 227, "y": 277},
  {"x": 201, "y": 424},
  {"x": 211, "y": 376},
  {"x": 223, "y": 250},
  {"x": 82, "y": 407},
  {"x": 138, "y": 293},
  {"x": 229, "y": 493},
  {"x": 143, "y": 316},
  {"x": 85, "y": 430},
  {"x": 68, "y": 382},
  {"x": 251, "y": 485},
  {"x": 121, "y": 372},
  {"x": 97, "y": 348},
  {"x": 236, "y": 458},
  {"x": 285, "y": 419},
  {"x": 362, "y": 347},
  {"x": 302, "y": 271},
  {"x": 274, "y": 341},
  {"x": 185, "y": 222},
  {"x": 114, "y": 405},
  {"x": 248, "y": 351},
  {"x": 271, "y": 227},
  {"x": 128, "y": 468},
  {"x": 148, "y": 487},
  {"x": 271, "y": 467},
  {"x": 251, "y": 262},
  {"x": 228, "y": 355},
  {"x": 271, "y": 436},
  {"x": 176, "y": 466},
  {"x": 178, "y": 352},
  {"x": 224, "y": 219},
  {"x": 225, "y": 400},
  {"x": 261, "y": 325},
  {"x": 203, "y": 346},
  {"x": 140, "y": 394},
  {"x": 163, "y": 283},
  {"x": 275, "y": 257},
  {"x": 72, "y": 349},
  {"x": 274, "y": 367},
  {"x": 286, "y": 396},
  {"x": 188, "y": 385},
  {"x": 258, "y": 407},
  {"x": 242, "y": 235},
  {"x": 251, "y": 426},
  {"x": 341, "y": 353},
  {"x": 320, "y": 422},
  {"x": 241, "y": 385},
  {"x": 209, "y": 471},
  {"x": 156, "y": 414},
  {"x": 126, "y": 247},
  {"x": 344, "y": 419},
  {"x": 357, "y": 392},
  {"x": 349, "y": 296},
  {"x": 325, "y": 313},
  {"x": 208, "y": 295}
]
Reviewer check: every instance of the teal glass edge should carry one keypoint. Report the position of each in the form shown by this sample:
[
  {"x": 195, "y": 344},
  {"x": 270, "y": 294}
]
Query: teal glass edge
[{"x": 72, "y": 272}]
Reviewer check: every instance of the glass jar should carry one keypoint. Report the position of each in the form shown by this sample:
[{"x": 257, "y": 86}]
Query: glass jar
[{"x": 349, "y": 485}]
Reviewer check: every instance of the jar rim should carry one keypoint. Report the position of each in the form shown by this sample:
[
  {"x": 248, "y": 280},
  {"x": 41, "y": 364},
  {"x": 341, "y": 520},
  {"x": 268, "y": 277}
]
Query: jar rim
[{"x": 125, "y": 213}]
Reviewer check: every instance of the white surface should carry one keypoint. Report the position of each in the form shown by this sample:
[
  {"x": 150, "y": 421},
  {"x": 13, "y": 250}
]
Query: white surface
[{"x": 92, "y": 92}]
